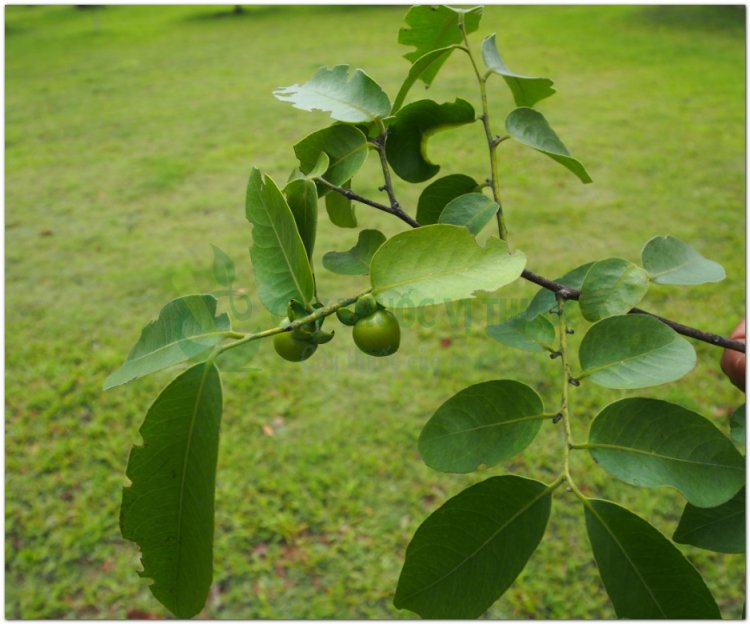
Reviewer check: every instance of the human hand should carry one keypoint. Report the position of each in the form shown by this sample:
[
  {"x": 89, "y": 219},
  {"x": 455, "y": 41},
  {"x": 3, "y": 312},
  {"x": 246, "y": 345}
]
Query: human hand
[{"x": 733, "y": 362}]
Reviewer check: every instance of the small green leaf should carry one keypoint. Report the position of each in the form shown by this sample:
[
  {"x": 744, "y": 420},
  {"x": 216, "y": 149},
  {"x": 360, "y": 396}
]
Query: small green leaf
[
  {"x": 670, "y": 261},
  {"x": 356, "y": 261},
  {"x": 536, "y": 334},
  {"x": 282, "y": 269},
  {"x": 439, "y": 193},
  {"x": 186, "y": 330},
  {"x": 545, "y": 300},
  {"x": 424, "y": 65},
  {"x": 340, "y": 209},
  {"x": 634, "y": 351},
  {"x": 531, "y": 128},
  {"x": 652, "y": 443},
  {"x": 439, "y": 263},
  {"x": 169, "y": 508},
  {"x": 302, "y": 197},
  {"x": 435, "y": 27},
  {"x": 645, "y": 575},
  {"x": 481, "y": 425},
  {"x": 611, "y": 287},
  {"x": 737, "y": 424},
  {"x": 473, "y": 210},
  {"x": 467, "y": 553},
  {"x": 359, "y": 99},
  {"x": 320, "y": 167},
  {"x": 527, "y": 90},
  {"x": 406, "y": 147},
  {"x": 720, "y": 529},
  {"x": 222, "y": 268},
  {"x": 345, "y": 147}
]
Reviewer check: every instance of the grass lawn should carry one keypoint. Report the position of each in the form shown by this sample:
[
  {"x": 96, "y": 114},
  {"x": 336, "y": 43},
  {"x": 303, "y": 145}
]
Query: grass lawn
[{"x": 130, "y": 132}]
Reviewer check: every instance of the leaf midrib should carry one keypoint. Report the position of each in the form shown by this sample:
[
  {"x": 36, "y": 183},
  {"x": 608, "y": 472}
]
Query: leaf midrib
[{"x": 637, "y": 451}]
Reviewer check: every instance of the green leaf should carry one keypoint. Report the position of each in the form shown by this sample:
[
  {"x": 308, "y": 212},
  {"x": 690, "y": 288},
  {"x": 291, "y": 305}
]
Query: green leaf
[
  {"x": 670, "y": 261},
  {"x": 222, "y": 268},
  {"x": 302, "y": 197},
  {"x": 536, "y": 334},
  {"x": 652, "y": 443},
  {"x": 187, "y": 329},
  {"x": 406, "y": 147},
  {"x": 345, "y": 146},
  {"x": 282, "y": 269},
  {"x": 481, "y": 425},
  {"x": 468, "y": 552},
  {"x": 439, "y": 193},
  {"x": 473, "y": 210},
  {"x": 169, "y": 508},
  {"x": 720, "y": 529},
  {"x": 545, "y": 300},
  {"x": 340, "y": 209},
  {"x": 645, "y": 575},
  {"x": 424, "y": 65},
  {"x": 439, "y": 263},
  {"x": 531, "y": 128},
  {"x": 634, "y": 351},
  {"x": 433, "y": 28},
  {"x": 611, "y": 287},
  {"x": 356, "y": 261},
  {"x": 737, "y": 424},
  {"x": 527, "y": 90},
  {"x": 359, "y": 99}
]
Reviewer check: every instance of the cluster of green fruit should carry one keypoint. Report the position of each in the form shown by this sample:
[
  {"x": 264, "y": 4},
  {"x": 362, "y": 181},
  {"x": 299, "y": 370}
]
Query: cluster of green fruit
[{"x": 376, "y": 331}]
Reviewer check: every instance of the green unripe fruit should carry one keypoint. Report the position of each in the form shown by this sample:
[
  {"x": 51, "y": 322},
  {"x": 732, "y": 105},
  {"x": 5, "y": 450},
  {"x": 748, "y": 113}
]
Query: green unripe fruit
[
  {"x": 378, "y": 334},
  {"x": 291, "y": 348}
]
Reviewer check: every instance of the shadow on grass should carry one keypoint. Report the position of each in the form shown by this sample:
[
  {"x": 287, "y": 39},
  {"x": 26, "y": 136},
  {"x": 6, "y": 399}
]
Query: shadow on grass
[
  {"x": 237, "y": 11},
  {"x": 698, "y": 17}
]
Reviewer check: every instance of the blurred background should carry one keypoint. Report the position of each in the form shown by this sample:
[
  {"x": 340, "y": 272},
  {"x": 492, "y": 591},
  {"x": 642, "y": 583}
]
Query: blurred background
[{"x": 130, "y": 132}]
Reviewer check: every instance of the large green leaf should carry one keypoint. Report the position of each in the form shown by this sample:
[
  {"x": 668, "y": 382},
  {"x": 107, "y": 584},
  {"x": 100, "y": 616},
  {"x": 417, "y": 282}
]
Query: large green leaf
[
  {"x": 527, "y": 90},
  {"x": 439, "y": 263},
  {"x": 435, "y": 27},
  {"x": 282, "y": 269},
  {"x": 645, "y": 575},
  {"x": 720, "y": 529},
  {"x": 406, "y": 147},
  {"x": 612, "y": 286},
  {"x": 481, "y": 425},
  {"x": 634, "y": 351},
  {"x": 737, "y": 424},
  {"x": 439, "y": 193},
  {"x": 302, "y": 197},
  {"x": 345, "y": 146},
  {"x": 520, "y": 332},
  {"x": 531, "y": 128},
  {"x": 670, "y": 261},
  {"x": 359, "y": 99},
  {"x": 169, "y": 508},
  {"x": 473, "y": 211},
  {"x": 468, "y": 552},
  {"x": 651, "y": 443},
  {"x": 340, "y": 209},
  {"x": 427, "y": 64},
  {"x": 186, "y": 330},
  {"x": 545, "y": 300},
  {"x": 356, "y": 261}
]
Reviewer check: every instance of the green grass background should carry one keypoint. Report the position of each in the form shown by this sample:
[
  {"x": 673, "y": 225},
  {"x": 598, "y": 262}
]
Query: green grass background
[{"x": 130, "y": 132}]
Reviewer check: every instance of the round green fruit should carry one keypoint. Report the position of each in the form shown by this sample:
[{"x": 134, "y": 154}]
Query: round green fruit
[
  {"x": 288, "y": 347},
  {"x": 378, "y": 334}
]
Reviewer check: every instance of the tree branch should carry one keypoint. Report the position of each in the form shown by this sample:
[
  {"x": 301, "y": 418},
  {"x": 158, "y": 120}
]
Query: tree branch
[
  {"x": 561, "y": 289},
  {"x": 571, "y": 293}
]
